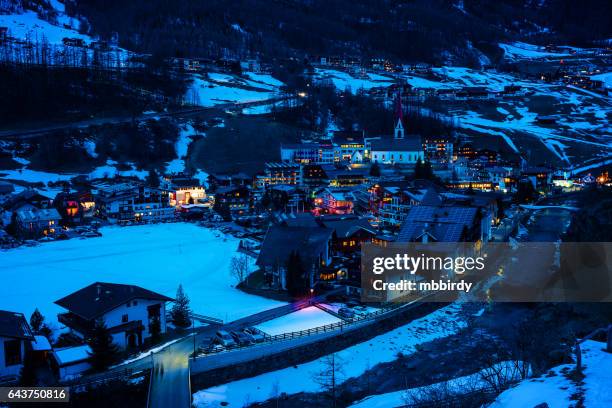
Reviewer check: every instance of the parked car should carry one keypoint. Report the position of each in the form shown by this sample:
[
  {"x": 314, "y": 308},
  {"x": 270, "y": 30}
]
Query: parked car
[
  {"x": 241, "y": 338},
  {"x": 256, "y": 335},
  {"x": 225, "y": 339},
  {"x": 346, "y": 312}
]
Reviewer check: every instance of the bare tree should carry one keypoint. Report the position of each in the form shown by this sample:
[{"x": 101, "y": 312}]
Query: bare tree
[
  {"x": 331, "y": 375},
  {"x": 239, "y": 267}
]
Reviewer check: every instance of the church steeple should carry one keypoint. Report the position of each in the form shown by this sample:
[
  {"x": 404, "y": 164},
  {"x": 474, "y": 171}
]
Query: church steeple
[{"x": 399, "y": 118}]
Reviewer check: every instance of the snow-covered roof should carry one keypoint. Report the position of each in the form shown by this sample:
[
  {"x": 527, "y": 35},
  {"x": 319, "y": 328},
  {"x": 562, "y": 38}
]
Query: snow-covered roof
[
  {"x": 71, "y": 355},
  {"x": 41, "y": 343}
]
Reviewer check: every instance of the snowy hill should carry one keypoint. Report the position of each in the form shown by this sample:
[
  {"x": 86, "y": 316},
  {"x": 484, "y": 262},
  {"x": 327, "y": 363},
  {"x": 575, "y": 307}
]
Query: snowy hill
[{"x": 559, "y": 390}]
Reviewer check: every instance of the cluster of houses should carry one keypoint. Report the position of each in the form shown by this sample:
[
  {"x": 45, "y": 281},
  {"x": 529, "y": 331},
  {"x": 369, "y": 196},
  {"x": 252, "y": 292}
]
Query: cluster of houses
[
  {"x": 341, "y": 174},
  {"x": 131, "y": 314},
  {"x": 28, "y": 214}
]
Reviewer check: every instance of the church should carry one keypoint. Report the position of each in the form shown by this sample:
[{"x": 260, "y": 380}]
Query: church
[{"x": 401, "y": 149}]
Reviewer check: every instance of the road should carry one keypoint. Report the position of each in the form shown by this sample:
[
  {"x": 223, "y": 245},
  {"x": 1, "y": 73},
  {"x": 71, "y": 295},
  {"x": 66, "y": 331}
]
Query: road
[
  {"x": 23, "y": 134},
  {"x": 170, "y": 386}
]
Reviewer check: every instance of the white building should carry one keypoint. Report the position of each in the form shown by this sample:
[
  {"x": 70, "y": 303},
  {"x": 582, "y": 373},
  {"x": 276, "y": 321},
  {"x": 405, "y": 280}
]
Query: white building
[
  {"x": 128, "y": 312},
  {"x": 399, "y": 150},
  {"x": 15, "y": 334}
]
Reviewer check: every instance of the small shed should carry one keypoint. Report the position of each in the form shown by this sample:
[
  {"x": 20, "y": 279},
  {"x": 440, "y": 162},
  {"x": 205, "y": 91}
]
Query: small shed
[{"x": 72, "y": 361}]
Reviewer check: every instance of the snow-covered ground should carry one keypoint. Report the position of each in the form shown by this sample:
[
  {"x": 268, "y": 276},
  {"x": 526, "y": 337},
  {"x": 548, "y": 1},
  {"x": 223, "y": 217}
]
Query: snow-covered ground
[
  {"x": 182, "y": 147},
  {"x": 606, "y": 78},
  {"x": 356, "y": 360},
  {"x": 559, "y": 391},
  {"x": 29, "y": 25},
  {"x": 343, "y": 80},
  {"x": 507, "y": 371},
  {"x": 521, "y": 50},
  {"x": 225, "y": 88},
  {"x": 157, "y": 257},
  {"x": 303, "y": 319},
  {"x": 35, "y": 176}
]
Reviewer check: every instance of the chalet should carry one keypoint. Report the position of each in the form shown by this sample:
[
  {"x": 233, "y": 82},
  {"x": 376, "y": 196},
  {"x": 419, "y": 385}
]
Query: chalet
[
  {"x": 184, "y": 190},
  {"x": 312, "y": 243},
  {"x": 395, "y": 201},
  {"x": 347, "y": 176},
  {"x": 225, "y": 180},
  {"x": 34, "y": 223},
  {"x": 279, "y": 173},
  {"x": 15, "y": 338},
  {"x": 350, "y": 231},
  {"x": 291, "y": 198},
  {"x": 333, "y": 201},
  {"x": 314, "y": 176},
  {"x": 131, "y": 202},
  {"x": 128, "y": 312},
  {"x": 232, "y": 201},
  {"x": 74, "y": 207},
  {"x": 29, "y": 198},
  {"x": 440, "y": 223}
]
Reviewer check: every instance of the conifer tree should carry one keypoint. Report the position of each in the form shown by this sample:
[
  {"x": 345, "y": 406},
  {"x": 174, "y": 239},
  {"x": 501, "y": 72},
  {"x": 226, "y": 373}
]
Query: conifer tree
[
  {"x": 103, "y": 351},
  {"x": 180, "y": 310},
  {"x": 36, "y": 320}
]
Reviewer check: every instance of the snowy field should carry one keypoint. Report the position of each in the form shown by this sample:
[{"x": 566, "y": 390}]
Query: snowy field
[
  {"x": 356, "y": 360},
  {"x": 558, "y": 391},
  {"x": 304, "y": 319},
  {"x": 157, "y": 257},
  {"x": 225, "y": 88}
]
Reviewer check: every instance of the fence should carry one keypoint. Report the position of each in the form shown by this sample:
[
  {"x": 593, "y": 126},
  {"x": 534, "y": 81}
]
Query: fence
[
  {"x": 93, "y": 379},
  {"x": 338, "y": 326}
]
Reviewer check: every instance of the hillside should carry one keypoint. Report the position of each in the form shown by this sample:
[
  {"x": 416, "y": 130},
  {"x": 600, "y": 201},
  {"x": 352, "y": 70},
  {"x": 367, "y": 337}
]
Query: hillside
[{"x": 437, "y": 31}]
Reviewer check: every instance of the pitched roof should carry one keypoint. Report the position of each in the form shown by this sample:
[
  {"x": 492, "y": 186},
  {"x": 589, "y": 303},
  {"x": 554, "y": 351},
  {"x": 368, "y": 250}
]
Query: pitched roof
[
  {"x": 26, "y": 196},
  {"x": 411, "y": 143},
  {"x": 281, "y": 240},
  {"x": 346, "y": 226},
  {"x": 444, "y": 224},
  {"x": 431, "y": 197},
  {"x": 14, "y": 325},
  {"x": 98, "y": 298},
  {"x": 36, "y": 215}
]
